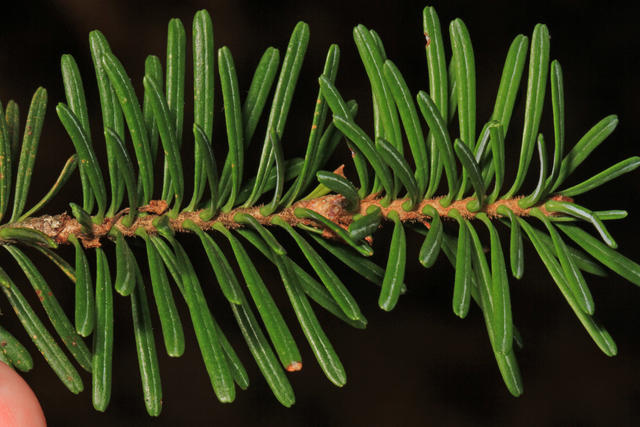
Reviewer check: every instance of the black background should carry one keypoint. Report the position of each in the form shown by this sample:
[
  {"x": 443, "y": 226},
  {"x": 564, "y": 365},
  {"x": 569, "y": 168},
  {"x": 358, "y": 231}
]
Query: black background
[{"x": 420, "y": 364}]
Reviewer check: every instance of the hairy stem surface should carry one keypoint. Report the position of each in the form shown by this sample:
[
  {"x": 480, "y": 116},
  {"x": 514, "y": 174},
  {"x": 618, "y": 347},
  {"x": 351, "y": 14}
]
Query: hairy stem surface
[{"x": 333, "y": 207}]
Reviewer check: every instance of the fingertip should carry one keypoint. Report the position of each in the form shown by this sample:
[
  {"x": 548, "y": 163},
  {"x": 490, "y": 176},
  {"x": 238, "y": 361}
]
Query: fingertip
[{"x": 19, "y": 406}]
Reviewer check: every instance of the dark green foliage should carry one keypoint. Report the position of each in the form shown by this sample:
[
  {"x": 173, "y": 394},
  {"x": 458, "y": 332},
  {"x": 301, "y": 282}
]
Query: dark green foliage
[
  {"x": 103, "y": 335},
  {"x": 394, "y": 273},
  {"x": 29, "y": 148},
  {"x": 393, "y": 186},
  {"x": 340, "y": 185}
]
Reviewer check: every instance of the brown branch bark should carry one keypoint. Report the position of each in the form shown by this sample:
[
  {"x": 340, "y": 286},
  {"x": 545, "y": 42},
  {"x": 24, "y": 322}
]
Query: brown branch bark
[{"x": 59, "y": 227}]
